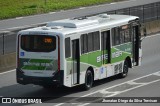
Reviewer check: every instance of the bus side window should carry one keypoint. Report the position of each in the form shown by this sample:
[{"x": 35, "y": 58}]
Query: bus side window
[
  {"x": 96, "y": 41},
  {"x": 67, "y": 48},
  {"x": 93, "y": 41},
  {"x": 90, "y": 42},
  {"x": 84, "y": 43},
  {"x": 122, "y": 36},
  {"x": 127, "y": 36},
  {"x": 117, "y": 35}
]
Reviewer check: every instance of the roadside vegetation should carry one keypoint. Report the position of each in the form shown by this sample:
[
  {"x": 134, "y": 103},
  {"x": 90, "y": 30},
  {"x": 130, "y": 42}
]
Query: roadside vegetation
[{"x": 17, "y": 8}]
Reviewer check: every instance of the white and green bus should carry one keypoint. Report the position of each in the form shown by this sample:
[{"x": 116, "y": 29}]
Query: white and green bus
[{"x": 78, "y": 51}]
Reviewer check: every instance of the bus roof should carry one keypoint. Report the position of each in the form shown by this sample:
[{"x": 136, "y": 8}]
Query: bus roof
[{"x": 75, "y": 25}]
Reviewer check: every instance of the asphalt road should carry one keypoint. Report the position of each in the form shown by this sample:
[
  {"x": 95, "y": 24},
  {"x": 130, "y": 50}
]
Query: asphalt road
[
  {"x": 12, "y": 26},
  {"x": 142, "y": 81},
  {"x": 42, "y": 18},
  {"x": 150, "y": 64}
]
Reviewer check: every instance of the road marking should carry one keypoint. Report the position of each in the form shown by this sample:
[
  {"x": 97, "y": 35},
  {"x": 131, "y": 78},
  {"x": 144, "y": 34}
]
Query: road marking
[
  {"x": 52, "y": 12},
  {"x": 119, "y": 84},
  {"x": 7, "y": 71},
  {"x": 153, "y": 35},
  {"x": 82, "y": 8},
  {"x": 117, "y": 93},
  {"x": 157, "y": 73},
  {"x": 84, "y": 104},
  {"x": 5, "y": 31},
  {"x": 104, "y": 90},
  {"x": 134, "y": 83},
  {"x": 59, "y": 104},
  {"x": 62, "y": 11},
  {"x": 139, "y": 86},
  {"x": 31, "y": 16},
  {"x": 113, "y": 3},
  {"x": 150, "y": 36},
  {"x": 19, "y": 17},
  {"x": 25, "y": 26}
]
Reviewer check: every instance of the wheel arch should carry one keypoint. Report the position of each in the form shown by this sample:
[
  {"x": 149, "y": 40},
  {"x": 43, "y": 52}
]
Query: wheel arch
[
  {"x": 128, "y": 59},
  {"x": 92, "y": 70}
]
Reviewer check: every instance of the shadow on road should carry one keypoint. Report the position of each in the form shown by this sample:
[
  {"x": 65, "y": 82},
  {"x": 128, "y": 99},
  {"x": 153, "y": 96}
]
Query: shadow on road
[{"x": 31, "y": 91}]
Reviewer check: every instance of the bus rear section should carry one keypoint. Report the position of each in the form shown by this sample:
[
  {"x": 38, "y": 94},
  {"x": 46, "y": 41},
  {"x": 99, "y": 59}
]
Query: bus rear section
[{"x": 38, "y": 60}]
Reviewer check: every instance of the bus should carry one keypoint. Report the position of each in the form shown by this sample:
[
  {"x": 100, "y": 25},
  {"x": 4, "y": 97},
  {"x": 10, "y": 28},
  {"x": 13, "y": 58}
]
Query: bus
[{"x": 78, "y": 51}]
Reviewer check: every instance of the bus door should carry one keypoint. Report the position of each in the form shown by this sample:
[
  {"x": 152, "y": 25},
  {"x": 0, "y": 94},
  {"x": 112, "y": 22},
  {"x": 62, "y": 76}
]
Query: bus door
[
  {"x": 105, "y": 47},
  {"x": 76, "y": 62},
  {"x": 136, "y": 43}
]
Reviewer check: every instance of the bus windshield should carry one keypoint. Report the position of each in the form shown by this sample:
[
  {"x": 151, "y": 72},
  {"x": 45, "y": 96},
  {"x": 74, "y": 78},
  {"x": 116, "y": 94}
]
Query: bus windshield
[{"x": 38, "y": 43}]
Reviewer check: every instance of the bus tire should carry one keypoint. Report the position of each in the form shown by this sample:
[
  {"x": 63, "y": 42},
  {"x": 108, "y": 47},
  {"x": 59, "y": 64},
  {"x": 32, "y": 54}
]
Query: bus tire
[
  {"x": 88, "y": 80},
  {"x": 125, "y": 70}
]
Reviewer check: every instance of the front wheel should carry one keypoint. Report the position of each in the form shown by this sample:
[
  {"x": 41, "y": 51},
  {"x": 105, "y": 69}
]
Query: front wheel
[
  {"x": 125, "y": 70},
  {"x": 88, "y": 80}
]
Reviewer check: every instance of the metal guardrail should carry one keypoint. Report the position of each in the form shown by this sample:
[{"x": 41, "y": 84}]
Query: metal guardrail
[
  {"x": 8, "y": 39},
  {"x": 148, "y": 12}
]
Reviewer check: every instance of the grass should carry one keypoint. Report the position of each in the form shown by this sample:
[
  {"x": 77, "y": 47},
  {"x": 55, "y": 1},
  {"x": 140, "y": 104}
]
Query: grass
[{"x": 17, "y": 8}]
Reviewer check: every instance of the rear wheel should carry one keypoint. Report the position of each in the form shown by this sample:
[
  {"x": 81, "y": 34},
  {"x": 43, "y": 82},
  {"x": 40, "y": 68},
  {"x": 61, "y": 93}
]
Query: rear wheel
[
  {"x": 88, "y": 80},
  {"x": 125, "y": 70}
]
